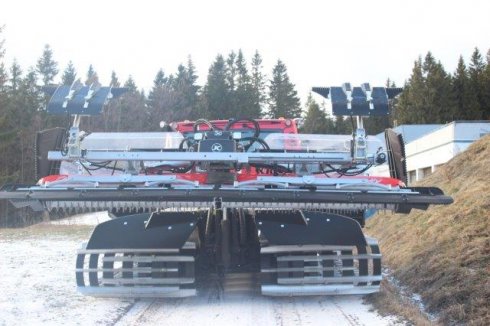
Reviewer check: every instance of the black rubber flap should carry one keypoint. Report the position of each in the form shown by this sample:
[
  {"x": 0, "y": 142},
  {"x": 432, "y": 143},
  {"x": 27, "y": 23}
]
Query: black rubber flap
[
  {"x": 48, "y": 140},
  {"x": 158, "y": 219},
  {"x": 130, "y": 232},
  {"x": 292, "y": 217},
  {"x": 322, "y": 229},
  {"x": 396, "y": 155}
]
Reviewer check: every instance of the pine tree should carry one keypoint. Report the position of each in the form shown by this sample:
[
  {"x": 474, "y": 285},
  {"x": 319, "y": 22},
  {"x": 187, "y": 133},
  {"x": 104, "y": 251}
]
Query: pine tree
[
  {"x": 15, "y": 76},
  {"x": 114, "y": 80},
  {"x": 46, "y": 66},
  {"x": 3, "y": 91},
  {"x": 184, "y": 93},
  {"x": 439, "y": 91},
  {"x": 486, "y": 89},
  {"x": 316, "y": 121},
  {"x": 244, "y": 93},
  {"x": 3, "y": 77},
  {"x": 231, "y": 75},
  {"x": 160, "y": 79},
  {"x": 170, "y": 80},
  {"x": 216, "y": 95},
  {"x": 110, "y": 115},
  {"x": 21, "y": 121},
  {"x": 92, "y": 76},
  {"x": 467, "y": 105},
  {"x": 32, "y": 96},
  {"x": 231, "y": 71},
  {"x": 283, "y": 98},
  {"x": 2, "y": 43},
  {"x": 258, "y": 86},
  {"x": 157, "y": 94},
  {"x": 6, "y": 132},
  {"x": 69, "y": 74},
  {"x": 243, "y": 77},
  {"x": 133, "y": 114},
  {"x": 477, "y": 82},
  {"x": 190, "y": 89},
  {"x": 180, "y": 78},
  {"x": 343, "y": 125},
  {"x": 130, "y": 85},
  {"x": 191, "y": 72},
  {"x": 29, "y": 102},
  {"x": 25, "y": 99},
  {"x": 161, "y": 99},
  {"x": 412, "y": 100},
  {"x": 428, "y": 96},
  {"x": 330, "y": 119},
  {"x": 3, "y": 72},
  {"x": 393, "y": 116}
]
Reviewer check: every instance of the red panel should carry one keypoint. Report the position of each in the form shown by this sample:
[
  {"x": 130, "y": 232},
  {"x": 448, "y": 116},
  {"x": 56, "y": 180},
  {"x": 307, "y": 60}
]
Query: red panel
[
  {"x": 281, "y": 125},
  {"x": 51, "y": 178}
]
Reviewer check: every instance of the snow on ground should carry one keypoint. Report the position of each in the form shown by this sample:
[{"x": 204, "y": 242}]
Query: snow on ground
[
  {"x": 253, "y": 309},
  {"x": 37, "y": 286},
  {"x": 37, "y": 281},
  {"x": 83, "y": 219}
]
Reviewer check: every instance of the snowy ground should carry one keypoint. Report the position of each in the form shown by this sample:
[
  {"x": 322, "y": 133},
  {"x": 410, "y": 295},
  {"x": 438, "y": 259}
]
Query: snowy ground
[{"x": 37, "y": 286}]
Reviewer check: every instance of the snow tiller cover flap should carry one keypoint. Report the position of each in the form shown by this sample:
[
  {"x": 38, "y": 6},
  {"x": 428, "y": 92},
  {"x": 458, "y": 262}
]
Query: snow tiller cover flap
[{"x": 222, "y": 197}]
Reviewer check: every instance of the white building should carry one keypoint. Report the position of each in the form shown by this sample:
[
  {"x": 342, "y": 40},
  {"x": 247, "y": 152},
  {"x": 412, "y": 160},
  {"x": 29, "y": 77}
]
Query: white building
[{"x": 429, "y": 146}]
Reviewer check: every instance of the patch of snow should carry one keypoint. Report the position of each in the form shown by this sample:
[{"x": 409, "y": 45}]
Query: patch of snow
[
  {"x": 37, "y": 285},
  {"x": 253, "y": 310},
  {"x": 406, "y": 293}
]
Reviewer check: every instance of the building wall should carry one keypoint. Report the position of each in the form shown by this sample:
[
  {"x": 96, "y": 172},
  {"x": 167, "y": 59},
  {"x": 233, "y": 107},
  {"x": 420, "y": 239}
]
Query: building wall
[{"x": 429, "y": 151}]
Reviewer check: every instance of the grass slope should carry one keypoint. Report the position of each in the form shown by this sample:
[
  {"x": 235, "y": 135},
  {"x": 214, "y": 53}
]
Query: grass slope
[{"x": 444, "y": 253}]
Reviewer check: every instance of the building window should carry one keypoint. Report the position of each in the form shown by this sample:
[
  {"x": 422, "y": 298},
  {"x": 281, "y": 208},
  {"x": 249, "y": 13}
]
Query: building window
[
  {"x": 412, "y": 176},
  {"x": 426, "y": 172}
]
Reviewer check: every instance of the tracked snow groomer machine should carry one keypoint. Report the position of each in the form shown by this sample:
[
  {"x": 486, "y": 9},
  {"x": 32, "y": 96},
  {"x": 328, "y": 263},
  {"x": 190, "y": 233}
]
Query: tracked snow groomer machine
[{"x": 224, "y": 197}]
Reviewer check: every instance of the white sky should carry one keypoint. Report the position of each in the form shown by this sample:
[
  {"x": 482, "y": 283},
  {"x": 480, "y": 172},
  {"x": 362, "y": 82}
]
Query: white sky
[{"x": 323, "y": 43}]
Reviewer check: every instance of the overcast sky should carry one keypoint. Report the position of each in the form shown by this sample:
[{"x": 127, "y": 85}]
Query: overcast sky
[{"x": 323, "y": 43}]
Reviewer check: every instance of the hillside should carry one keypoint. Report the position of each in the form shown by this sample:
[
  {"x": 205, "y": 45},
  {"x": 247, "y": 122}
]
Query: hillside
[{"x": 444, "y": 253}]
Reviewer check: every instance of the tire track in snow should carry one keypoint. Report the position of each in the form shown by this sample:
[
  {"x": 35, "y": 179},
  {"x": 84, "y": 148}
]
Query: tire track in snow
[
  {"x": 159, "y": 310},
  {"x": 133, "y": 313},
  {"x": 349, "y": 318},
  {"x": 213, "y": 308},
  {"x": 125, "y": 311},
  {"x": 286, "y": 311},
  {"x": 171, "y": 311}
]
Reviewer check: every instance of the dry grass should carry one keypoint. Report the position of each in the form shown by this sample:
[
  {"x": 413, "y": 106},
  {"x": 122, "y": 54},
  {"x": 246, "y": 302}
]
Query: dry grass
[
  {"x": 444, "y": 253},
  {"x": 390, "y": 302}
]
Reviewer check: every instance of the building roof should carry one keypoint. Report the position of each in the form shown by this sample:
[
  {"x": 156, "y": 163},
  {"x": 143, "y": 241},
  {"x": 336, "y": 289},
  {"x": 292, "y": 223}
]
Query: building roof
[{"x": 412, "y": 132}]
